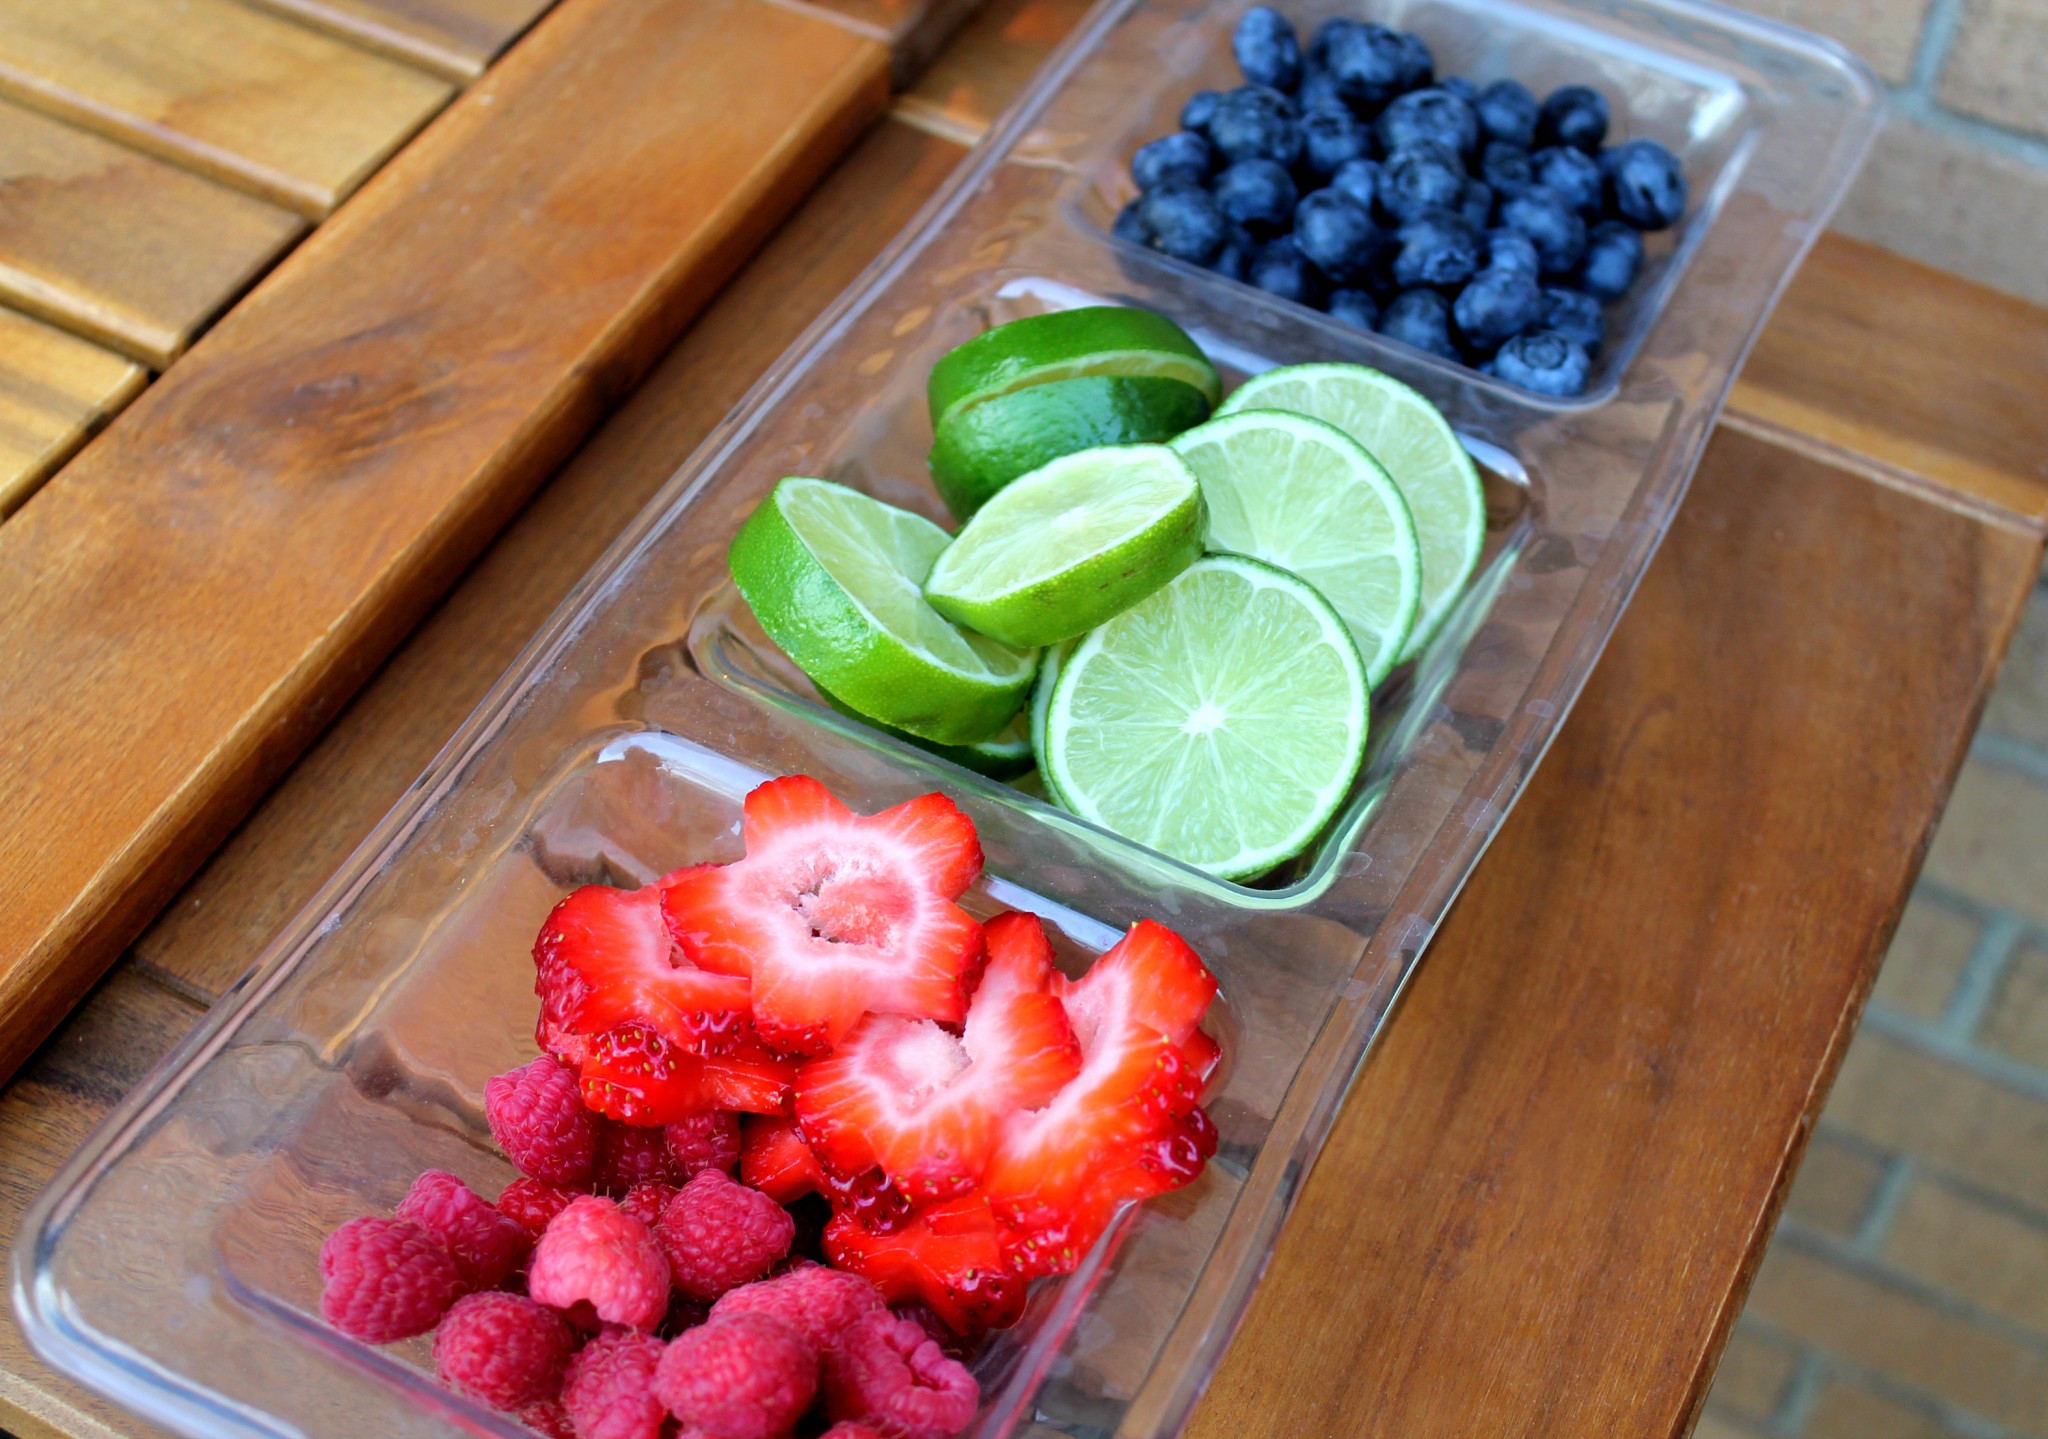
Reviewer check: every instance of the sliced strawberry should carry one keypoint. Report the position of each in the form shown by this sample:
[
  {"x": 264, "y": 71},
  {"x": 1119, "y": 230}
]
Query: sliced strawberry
[
  {"x": 1203, "y": 1054},
  {"x": 605, "y": 957},
  {"x": 906, "y": 1095},
  {"x": 834, "y": 916},
  {"x": 775, "y": 1160},
  {"x": 949, "y": 1258},
  {"x": 633, "y": 1074},
  {"x": 1164, "y": 1162}
]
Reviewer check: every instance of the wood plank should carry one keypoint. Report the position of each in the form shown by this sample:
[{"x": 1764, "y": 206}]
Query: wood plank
[
  {"x": 121, "y": 247},
  {"x": 989, "y": 61},
  {"x": 205, "y": 584},
  {"x": 55, "y": 391},
  {"x": 914, "y": 30},
  {"x": 231, "y": 92},
  {"x": 456, "y": 38},
  {"x": 1541, "y": 1204}
]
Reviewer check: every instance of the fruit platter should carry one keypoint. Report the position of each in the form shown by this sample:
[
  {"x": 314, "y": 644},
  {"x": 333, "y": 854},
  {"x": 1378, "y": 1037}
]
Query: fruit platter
[{"x": 882, "y": 962}]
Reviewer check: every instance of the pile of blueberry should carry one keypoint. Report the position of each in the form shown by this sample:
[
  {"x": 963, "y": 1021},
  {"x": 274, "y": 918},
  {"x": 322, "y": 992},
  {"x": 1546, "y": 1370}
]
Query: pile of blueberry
[{"x": 1476, "y": 224}]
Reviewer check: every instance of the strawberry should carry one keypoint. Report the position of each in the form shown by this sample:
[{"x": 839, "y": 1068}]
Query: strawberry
[
  {"x": 604, "y": 957},
  {"x": 948, "y": 1257},
  {"x": 775, "y": 1160},
  {"x": 633, "y": 1074},
  {"x": 907, "y": 1096},
  {"x": 833, "y": 916},
  {"x": 1165, "y": 1162}
]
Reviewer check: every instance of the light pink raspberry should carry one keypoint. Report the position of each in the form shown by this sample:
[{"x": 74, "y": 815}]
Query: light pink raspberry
[
  {"x": 710, "y": 1140},
  {"x": 594, "y": 1251},
  {"x": 629, "y": 1154},
  {"x": 485, "y": 1245},
  {"x": 719, "y": 1234},
  {"x": 609, "y": 1391},
  {"x": 506, "y": 1351},
  {"x": 386, "y": 1279},
  {"x": 885, "y": 1371},
  {"x": 746, "y": 1377},
  {"x": 815, "y": 1301},
  {"x": 537, "y": 1116}
]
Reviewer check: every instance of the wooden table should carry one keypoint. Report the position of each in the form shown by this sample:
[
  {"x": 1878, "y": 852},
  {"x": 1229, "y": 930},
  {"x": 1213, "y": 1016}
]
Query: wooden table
[{"x": 1541, "y": 1204}]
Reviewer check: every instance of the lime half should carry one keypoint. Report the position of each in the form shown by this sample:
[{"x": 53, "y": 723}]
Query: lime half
[
  {"x": 1305, "y": 496},
  {"x": 1406, "y": 434},
  {"x": 1071, "y": 544},
  {"x": 836, "y": 577},
  {"x": 1220, "y": 722},
  {"x": 1049, "y": 661},
  {"x": 1064, "y": 344}
]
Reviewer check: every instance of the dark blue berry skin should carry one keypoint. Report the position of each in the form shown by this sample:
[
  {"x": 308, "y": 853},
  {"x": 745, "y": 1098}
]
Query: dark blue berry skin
[
  {"x": 1280, "y": 268},
  {"x": 1130, "y": 224},
  {"x": 1418, "y": 66},
  {"x": 1440, "y": 250},
  {"x": 1464, "y": 89},
  {"x": 1253, "y": 124},
  {"x": 1614, "y": 256},
  {"x": 1553, "y": 227},
  {"x": 1507, "y": 112},
  {"x": 1571, "y": 175},
  {"x": 1185, "y": 222},
  {"x": 1319, "y": 91},
  {"x": 1355, "y": 307},
  {"x": 1574, "y": 115},
  {"x": 1544, "y": 362},
  {"x": 1421, "y": 318},
  {"x": 1267, "y": 49},
  {"x": 1507, "y": 168},
  {"x": 1511, "y": 250},
  {"x": 1575, "y": 315},
  {"x": 1420, "y": 179},
  {"x": 1496, "y": 306},
  {"x": 1430, "y": 114},
  {"x": 1476, "y": 205},
  {"x": 1257, "y": 194},
  {"x": 1330, "y": 139},
  {"x": 1645, "y": 184},
  {"x": 1337, "y": 233},
  {"x": 1369, "y": 61},
  {"x": 1361, "y": 180},
  {"x": 1234, "y": 260},
  {"x": 1199, "y": 111},
  {"x": 1182, "y": 158}
]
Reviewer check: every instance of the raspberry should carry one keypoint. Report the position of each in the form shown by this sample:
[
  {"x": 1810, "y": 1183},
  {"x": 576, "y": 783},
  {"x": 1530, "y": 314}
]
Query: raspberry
[
  {"x": 710, "y": 1140},
  {"x": 815, "y": 1301},
  {"x": 744, "y": 1377},
  {"x": 385, "y": 1279},
  {"x": 887, "y": 1372},
  {"x": 506, "y": 1351},
  {"x": 485, "y": 1245},
  {"x": 609, "y": 1390},
  {"x": 531, "y": 1204},
  {"x": 547, "y": 1417},
  {"x": 719, "y": 1234},
  {"x": 852, "y": 1429},
  {"x": 629, "y": 1154},
  {"x": 538, "y": 1119},
  {"x": 595, "y": 1251},
  {"x": 645, "y": 1202}
]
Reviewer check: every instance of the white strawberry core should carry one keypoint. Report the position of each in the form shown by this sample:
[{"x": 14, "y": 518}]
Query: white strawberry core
[
  {"x": 845, "y": 897},
  {"x": 919, "y": 1060}
]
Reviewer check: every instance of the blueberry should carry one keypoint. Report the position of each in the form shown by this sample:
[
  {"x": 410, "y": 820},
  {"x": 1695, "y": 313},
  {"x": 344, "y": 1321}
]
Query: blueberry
[
  {"x": 1461, "y": 87},
  {"x": 1575, "y": 115},
  {"x": 1507, "y": 112},
  {"x": 1370, "y": 62},
  {"x": 1280, "y": 268},
  {"x": 1330, "y": 139},
  {"x": 1253, "y": 124},
  {"x": 1355, "y": 307},
  {"x": 1234, "y": 260},
  {"x": 1513, "y": 251},
  {"x": 1476, "y": 204},
  {"x": 1545, "y": 362},
  {"x": 1438, "y": 249},
  {"x": 1421, "y": 318},
  {"x": 1552, "y": 226},
  {"x": 1614, "y": 254},
  {"x": 1267, "y": 49},
  {"x": 1420, "y": 179},
  {"x": 1258, "y": 194},
  {"x": 1572, "y": 175},
  {"x": 1418, "y": 66},
  {"x": 1185, "y": 222},
  {"x": 1337, "y": 233},
  {"x": 1645, "y": 184},
  {"x": 1430, "y": 114},
  {"x": 1182, "y": 158},
  {"x": 1319, "y": 91},
  {"x": 1360, "y": 179},
  {"x": 1575, "y": 315},
  {"x": 1130, "y": 224},
  {"x": 1199, "y": 111},
  {"x": 1506, "y": 168},
  {"x": 1497, "y": 305}
]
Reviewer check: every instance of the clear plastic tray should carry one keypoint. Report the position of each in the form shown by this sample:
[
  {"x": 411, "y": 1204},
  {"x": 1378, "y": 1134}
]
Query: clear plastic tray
[{"x": 172, "y": 1265}]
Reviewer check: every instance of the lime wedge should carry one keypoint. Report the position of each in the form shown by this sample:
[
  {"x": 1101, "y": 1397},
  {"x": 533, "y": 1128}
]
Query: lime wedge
[
  {"x": 1070, "y": 545},
  {"x": 1220, "y": 722},
  {"x": 1407, "y": 434},
  {"x": 834, "y": 578},
  {"x": 981, "y": 448},
  {"x": 1305, "y": 496},
  {"x": 1064, "y": 344},
  {"x": 1004, "y": 755}
]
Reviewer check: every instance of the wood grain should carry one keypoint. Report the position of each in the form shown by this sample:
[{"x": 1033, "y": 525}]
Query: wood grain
[
  {"x": 989, "y": 61},
  {"x": 234, "y": 93},
  {"x": 914, "y": 30},
  {"x": 203, "y": 586},
  {"x": 119, "y": 246},
  {"x": 1543, "y": 1199},
  {"x": 456, "y": 38},
  {"x": 55, "y": 391}
]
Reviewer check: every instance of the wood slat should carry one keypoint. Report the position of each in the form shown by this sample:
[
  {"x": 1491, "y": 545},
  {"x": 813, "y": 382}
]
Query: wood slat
[
  {"x": 55, "y": 391},
  {"x": 202, "y": 587},
  {"x": 116, "y": 245},
  {"x": 988, "y": 62},
  {"x": 235, "y": 93},
  {"x": 456, "y": 38},
  {"x": 914, "y": 30},
  {"x": 1544, "y": 1197}
]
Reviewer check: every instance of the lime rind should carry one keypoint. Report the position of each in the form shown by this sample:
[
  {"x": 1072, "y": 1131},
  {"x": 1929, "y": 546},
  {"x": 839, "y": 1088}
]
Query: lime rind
[
  {"x": 1004, "y": 755},
  {"x": 1049, "y": 660},
  {"x": 1066, "y": 344}
]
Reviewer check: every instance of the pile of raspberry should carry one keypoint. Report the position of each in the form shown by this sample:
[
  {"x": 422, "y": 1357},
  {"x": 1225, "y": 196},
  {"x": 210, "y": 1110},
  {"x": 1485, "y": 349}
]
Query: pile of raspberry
[{"x": 629, "y": 1279}]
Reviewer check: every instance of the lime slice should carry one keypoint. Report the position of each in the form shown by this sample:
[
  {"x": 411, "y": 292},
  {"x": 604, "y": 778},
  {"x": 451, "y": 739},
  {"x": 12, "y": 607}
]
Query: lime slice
[
  {"x": 1004, "y": 755},
  {"x": 1049, "y": 661},
  {"x": 981, "y": 448},
  {"x": 1305, "y": 496},
  {"x": 1064, "y": 344},
  {"x": 1220, "y": 722},
  {"x": 1407, "y": 434},
  {"x": 1070, "y": 545},
  {"x": 834, "y": 578}
]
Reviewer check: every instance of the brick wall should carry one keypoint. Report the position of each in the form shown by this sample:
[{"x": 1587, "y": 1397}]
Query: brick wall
[
  {"x": 1960, "y": 176},
  {"x": 1905, "y": 1294}
]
